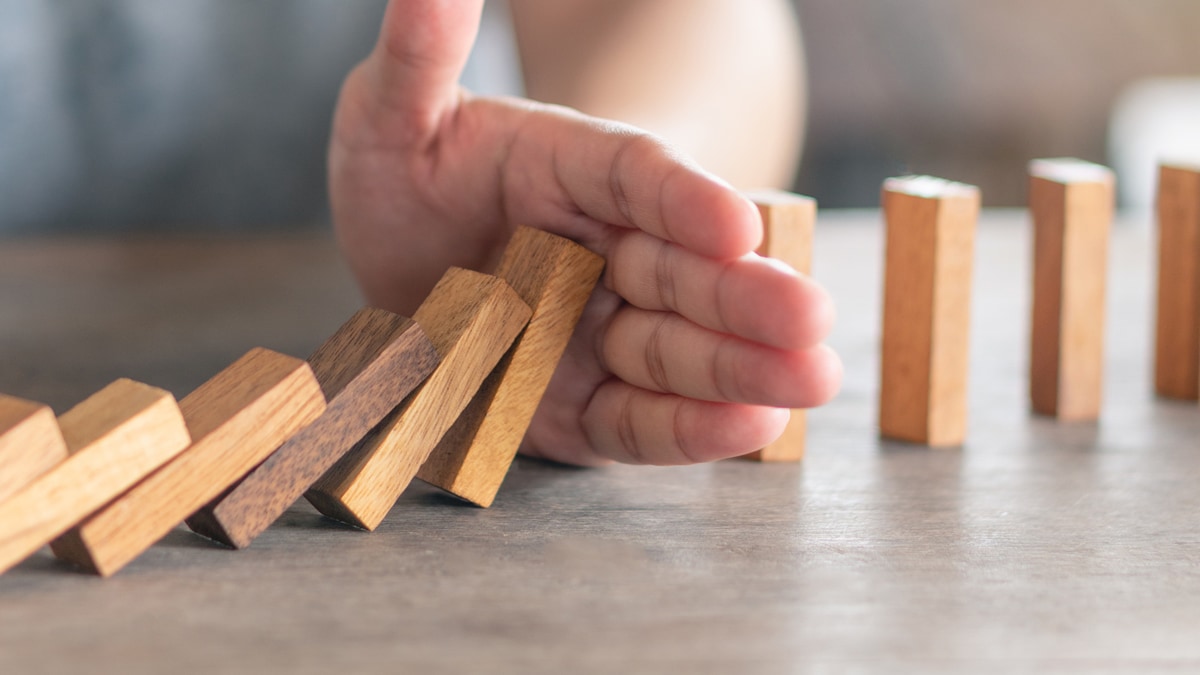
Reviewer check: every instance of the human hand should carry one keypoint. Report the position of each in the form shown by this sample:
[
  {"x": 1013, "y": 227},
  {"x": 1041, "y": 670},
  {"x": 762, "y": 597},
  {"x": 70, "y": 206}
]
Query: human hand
[{"x": 693, "y": 347}]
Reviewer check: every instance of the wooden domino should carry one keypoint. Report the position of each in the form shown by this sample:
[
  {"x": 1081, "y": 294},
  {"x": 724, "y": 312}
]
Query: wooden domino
[
  {"x": 555, "y": 277},
  {"x": 365, "y": 369},
  {"x": 1177, "y": 341},
  {"x": 472, "y": 319},
  {"x": 235, "y": 419},
  {"x": 926, "y": 309},
  {"x": 1071, "y": 203},
  {"x": 115, "y": 438},
  {"x": 30, "y": 443},
  {"x": 788, "y": 223}
]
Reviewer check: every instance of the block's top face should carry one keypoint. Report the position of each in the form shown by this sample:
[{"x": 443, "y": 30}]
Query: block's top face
[
  {"x": 1067, "y": 170},
  {"x": 1178, "y": 164},
  {"x": 771, "y": 197},
  {"x": 929, "y": 187}
]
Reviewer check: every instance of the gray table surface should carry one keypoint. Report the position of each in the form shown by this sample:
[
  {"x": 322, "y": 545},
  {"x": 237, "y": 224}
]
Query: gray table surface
[{"x": 1037, "y": 547}]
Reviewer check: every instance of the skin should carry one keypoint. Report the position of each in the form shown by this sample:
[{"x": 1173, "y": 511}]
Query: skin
[{"x": 692, "y": 347}]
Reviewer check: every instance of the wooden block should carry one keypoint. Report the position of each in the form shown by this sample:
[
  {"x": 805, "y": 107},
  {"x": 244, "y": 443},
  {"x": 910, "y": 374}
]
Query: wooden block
[
  {"x": 1177, "y": 343},
  {"x": 115, "y": 438},
  {"x": 555, "y": 277},
  {"x": 788, "y": 224},
  {"x": 30, "y": 443},
  {"x": 1071, "y": 203},
  {"x": 365, "y": 369},
  {"x": 472, "y": 319},
  {"x": 926, "y": 309},
  {"x": 236, "y": 419}
]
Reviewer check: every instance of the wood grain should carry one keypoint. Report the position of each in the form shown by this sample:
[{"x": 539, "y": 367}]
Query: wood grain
[
  {"x": 788, "y": 224},
  {"x": 1071, "y": 203},
  {"x": 555, "y": 277},
  {"x": 926, "y": 309},
  {"x": 115, "y": 438},
  {"x": 1177, "y": 335},
  {"x": 236, "y": 419},
  {"x": 30, "y": 443},
  {"x": 365, "y": 369},
  {"x": 472, "y": 319}
]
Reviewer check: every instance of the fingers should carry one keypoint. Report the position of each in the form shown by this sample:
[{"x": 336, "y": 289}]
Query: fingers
[
  {"x": 752, "y": 297},
  {"x": 635, "y": 426}
]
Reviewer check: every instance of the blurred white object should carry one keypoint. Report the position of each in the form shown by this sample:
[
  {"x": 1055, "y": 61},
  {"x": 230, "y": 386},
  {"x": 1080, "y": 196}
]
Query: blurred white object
[{"x": 1153, "y": 120}]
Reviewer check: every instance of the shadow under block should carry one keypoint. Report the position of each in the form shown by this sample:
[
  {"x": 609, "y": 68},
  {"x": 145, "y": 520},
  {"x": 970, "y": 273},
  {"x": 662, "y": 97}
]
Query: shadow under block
[
  {"x": 788, "y": 223},
  {"x": 30, "y": 443},
  {"x": 1177, "y": 340},
  {"x": 236, "y": 419},
  {"x": 365, "y": 369},
  {"x": 472, "y": 319},
  {"x": 555, "y": 277},
  {"x": 1071, "y": 203},
  {"x": 926, "y": 309},
  {"x": 115, "y": 438}
]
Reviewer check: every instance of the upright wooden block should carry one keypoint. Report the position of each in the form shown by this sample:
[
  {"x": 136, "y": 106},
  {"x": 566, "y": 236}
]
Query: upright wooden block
[
  {"x": 365, "y": 369},
  {"x": 926, "y": 309},
  {"x": 472, "y": 319},
  {"x": 555, "y": 277},
  {"x": 1071, "y": 203},
  {"x": 30, "y": 443},
  {"x": 236, "y": 419},
  {"x": 115, "y": 438},
  {"x": 1177, "y": 344},
  {"x": 788, "y": 224}
]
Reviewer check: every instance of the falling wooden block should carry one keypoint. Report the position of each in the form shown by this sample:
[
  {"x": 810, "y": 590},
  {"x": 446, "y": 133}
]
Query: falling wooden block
[
  {"x": 1177, "y": 343},
  {"x": 926, "y": 309},
  {"x": 365, "y": 369},
  {"x": 30, "y": 443},
  {"x": 115, "y": 438},
  {"x": 1071, "y": 203},
  {"x": 472, "y": 319},
  {"x": 236, "y": 419},
  {"x": 788, "y": 223},
  {"x": 555, "y": 277}
]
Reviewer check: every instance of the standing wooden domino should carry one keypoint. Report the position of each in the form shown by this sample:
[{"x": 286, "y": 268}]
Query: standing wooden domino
[
  {"x": 555, "y": 277},
  {"x": 236, "y": 419},
  {"x": 788, "y": 223},
  {"x": 30, "y": 443},
  {"x": 1071, "y": 203},
  {"x": 926, "y": 309},
  {"x": 365, "y": 369},
  {"x": 115, "y": 438},
  {"x": 1177, "y": 344},
  {"x": 472, "y": 319}
]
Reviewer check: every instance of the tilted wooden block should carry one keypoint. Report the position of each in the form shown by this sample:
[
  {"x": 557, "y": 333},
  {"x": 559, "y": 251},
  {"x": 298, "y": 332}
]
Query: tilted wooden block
[
  {"x": 555, "y": 277},
  {"x": 788, "y": 224},
  {"x": 472, "y": 319},
  {"x": 236, "y": 419},
  {"x": 1177, "y": 342},
  {"x": 365, "y": 369},
  {"x": 115, "y": 438},
  {"x": 30, "y": 443},
  {"x": 1071, "y": 203},
  {"x": 926, "y": 309}
]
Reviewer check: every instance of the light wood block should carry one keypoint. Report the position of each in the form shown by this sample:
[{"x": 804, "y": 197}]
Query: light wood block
[
  {"x": 115, "y": 438},
  {"x": 1177, "y": 343},
  {"x": 472, "y": 319},
  {"x": 236, "y": 419},
  {"x": 926, "y": 309},
  {"x": 1071, "y": 203},
  {"x": 788, "y": 224},
  {"x": 30, "y": 443},
  {"x": 555, "y": 277},
  {"x": 365, "y": 369}
]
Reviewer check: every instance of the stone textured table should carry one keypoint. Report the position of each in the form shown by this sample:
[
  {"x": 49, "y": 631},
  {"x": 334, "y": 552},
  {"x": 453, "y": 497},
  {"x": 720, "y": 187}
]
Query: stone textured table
[{"x": 1037, "y": 547}]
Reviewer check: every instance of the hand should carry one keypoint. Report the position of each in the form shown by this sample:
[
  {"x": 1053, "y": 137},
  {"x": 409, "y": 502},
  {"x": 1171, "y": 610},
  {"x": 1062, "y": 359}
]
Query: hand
[{"x": 693, "y": 347}]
